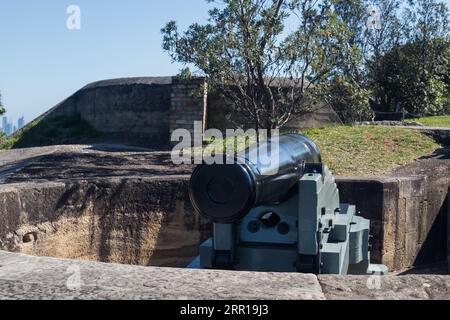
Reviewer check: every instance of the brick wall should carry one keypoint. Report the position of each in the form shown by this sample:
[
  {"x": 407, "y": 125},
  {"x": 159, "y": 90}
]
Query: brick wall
[{"x": 188, "y": 105}]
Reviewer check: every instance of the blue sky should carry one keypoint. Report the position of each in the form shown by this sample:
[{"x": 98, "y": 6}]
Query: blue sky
[{"x": 42, "y": 62}]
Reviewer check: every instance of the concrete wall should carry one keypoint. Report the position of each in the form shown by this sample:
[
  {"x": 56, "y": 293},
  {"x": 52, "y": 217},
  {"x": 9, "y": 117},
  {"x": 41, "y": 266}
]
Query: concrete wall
[
  {"x": 146, "y": 111},
  {"x": 131, "y": 221},
  {"x": 222, "y": 117},
  {"x": 408, "y": 218},
  {"x": 137, "y": 111},
  {"x": 151, "y": 221}
]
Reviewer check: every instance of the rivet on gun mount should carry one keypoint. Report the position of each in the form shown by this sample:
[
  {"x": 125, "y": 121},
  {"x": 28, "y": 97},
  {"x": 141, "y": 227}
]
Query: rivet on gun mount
[{"x": 288, "y": 221}]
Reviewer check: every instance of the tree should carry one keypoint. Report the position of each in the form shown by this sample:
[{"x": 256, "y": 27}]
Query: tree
[
  {"x": 346, "y": 90},
  {"x": 2, "y": 108},
  {"x": 268, "y": 74},
  {"x": 387, "y": 31},
  {"x": 403, "y": 79},
  {"x": 415, "y": 74},
  {"x": 374, "y": 28}
]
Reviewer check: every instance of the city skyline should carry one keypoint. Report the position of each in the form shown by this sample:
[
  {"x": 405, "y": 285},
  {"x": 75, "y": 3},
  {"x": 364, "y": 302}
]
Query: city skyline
[{"x": 9, "y": 128}]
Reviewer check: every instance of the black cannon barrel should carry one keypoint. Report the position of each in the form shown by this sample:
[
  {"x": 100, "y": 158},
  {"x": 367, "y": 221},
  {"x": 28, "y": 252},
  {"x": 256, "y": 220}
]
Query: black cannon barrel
[{"x": 226, "y": 193}]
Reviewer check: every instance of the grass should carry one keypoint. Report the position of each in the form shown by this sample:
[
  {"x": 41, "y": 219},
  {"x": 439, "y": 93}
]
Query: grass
[
  {"x": 370, "y": 151},
  {"x": 363, "y": 150},
  {"x": 61, "y": 130},
  {"x": 440, "y": 121}
]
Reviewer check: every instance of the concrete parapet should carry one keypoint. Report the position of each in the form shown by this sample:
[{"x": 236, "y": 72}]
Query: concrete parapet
[
  {"x": 131, "y": 221},
  {"x": 405, "y": 218},
  {"x": 407, "y": 287},
  {"x": 149, "y": 221},
  {"x": 26, "y": 277},
  {"x": 40, "y": 278}
]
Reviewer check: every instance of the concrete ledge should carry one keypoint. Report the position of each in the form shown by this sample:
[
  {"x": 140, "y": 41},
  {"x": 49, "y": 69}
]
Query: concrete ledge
[
  {"x": 412, "y": 287},
  {"x": 27, "y": 277},
  {"x": 38, "y": 278}
]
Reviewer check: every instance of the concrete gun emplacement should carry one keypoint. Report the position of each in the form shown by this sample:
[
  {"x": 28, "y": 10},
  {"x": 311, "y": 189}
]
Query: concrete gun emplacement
[{"x": 279, "y": 216}]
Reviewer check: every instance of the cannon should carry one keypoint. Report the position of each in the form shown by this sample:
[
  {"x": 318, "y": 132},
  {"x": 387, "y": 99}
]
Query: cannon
[{"x": 281, "y": 215}]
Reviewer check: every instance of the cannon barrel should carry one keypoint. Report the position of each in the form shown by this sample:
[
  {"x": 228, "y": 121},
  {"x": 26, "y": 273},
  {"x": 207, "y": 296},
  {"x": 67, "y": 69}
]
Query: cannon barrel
[{"x": 225, "y": 193}]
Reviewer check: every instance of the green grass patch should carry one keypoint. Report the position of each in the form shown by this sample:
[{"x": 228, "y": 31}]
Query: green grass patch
[
  {"x": 61, "y": 130},
  {"x": 369, "y": 151},
  {"x": 440, "y": 121},
  {"x": 361, "y": 150}
]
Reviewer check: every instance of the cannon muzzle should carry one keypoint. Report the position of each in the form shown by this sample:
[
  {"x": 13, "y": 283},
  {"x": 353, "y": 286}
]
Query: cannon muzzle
[{"x": 225, "y": 193}]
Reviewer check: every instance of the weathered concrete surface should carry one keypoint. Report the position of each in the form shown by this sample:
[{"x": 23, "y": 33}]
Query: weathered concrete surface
[
  {"x": 91, "y": 163},
  {"x": 399, "y": 215},
  {"x": 221, "y": 116},
  {"x": 49, "y": 163},
  {"x": 26, "y": 277},
  {"x": 104, "y": 203},
  {"x": 411, "y": 287},
  {"x": 146, "y": 221},
  {"x": 145, "y": 111},
  {"x": 431, "y": 225}
]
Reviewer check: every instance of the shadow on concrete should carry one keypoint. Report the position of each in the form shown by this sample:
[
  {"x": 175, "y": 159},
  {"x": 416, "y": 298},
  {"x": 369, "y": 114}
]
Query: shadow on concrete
[
  {"x": 177, "y": 234},
  {"x": 434, "y": 248},
  {"x": 440, "y": 154},
  {"x": 104, "y": 147},
  {"x": 436, "y": 268}
]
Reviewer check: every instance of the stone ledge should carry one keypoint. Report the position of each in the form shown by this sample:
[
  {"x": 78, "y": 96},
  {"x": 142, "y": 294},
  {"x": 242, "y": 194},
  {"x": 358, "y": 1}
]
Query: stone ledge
[
  {"x": 39, "y": 278},
  {"x": 27, "y": 277},
  {"x": 407, "y": 287}
]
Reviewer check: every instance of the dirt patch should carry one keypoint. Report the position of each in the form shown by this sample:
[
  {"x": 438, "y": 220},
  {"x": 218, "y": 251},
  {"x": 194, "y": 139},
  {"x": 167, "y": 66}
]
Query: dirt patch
[{"x": 88, "y": 163}]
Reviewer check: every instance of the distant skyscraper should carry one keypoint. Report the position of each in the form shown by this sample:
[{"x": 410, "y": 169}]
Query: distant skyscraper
[
  {"x": 9, "y": 129},
  {"x": 21, "y": 123},
  {"x": 4, "y": 124}
]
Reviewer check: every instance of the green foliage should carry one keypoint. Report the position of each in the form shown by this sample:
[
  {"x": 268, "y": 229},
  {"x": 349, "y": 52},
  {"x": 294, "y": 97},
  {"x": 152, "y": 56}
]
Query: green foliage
[
  {"x": 406, "y": 77},
  {"x": 349, "y": 99},
  {"x": 2, "y": 108},
  {"x": 268, "y": 74},
  {"x": 272, "y": 75}
]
